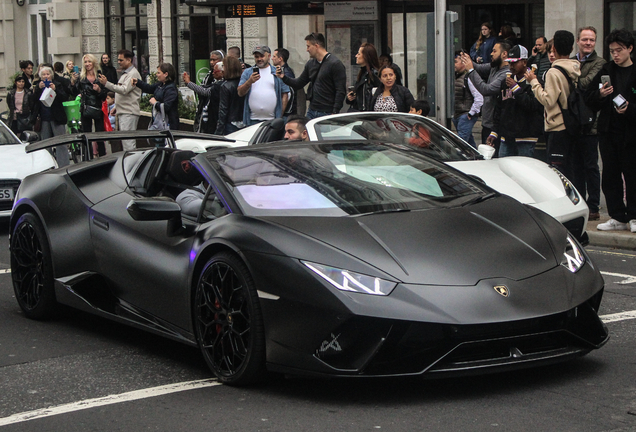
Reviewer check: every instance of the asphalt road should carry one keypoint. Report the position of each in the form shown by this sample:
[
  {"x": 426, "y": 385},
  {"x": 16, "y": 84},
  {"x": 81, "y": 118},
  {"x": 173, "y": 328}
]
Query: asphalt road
[{"x": 81, "y": 373}]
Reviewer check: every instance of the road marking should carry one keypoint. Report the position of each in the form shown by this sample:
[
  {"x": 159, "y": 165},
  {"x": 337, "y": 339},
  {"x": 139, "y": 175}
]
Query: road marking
[
  {"x": 5, "y": 271},
  {"x": 610, "y": 253},
  {"x": 621, "y": 316},
  {"x": 108, "y": 400},
  {"x": 628, "y": 278}
]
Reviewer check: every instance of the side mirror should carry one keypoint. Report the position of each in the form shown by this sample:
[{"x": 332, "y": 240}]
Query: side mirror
[
  {"x": 30, "y": 136},
  {"x": 157, "y": 209}
]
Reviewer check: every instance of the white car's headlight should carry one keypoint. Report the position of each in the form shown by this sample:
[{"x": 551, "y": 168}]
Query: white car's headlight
[
  {"x": 570, "y": 190},
  {"x": 346, "y": 280},
  {"x": 573, "y": 256}
]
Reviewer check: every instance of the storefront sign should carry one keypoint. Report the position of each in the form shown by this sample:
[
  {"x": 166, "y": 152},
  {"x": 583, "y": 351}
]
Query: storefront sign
[
  {"x": 351, "y": 11},
  {"x": 202, "y": 68}
]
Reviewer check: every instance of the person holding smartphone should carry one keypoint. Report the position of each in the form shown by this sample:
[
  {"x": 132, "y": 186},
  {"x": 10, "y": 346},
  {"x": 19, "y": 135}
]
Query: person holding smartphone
[
  {"x": 612, "y": 92},
  {"x": 266, "y": 95},
  {"x": 360, "y": 94}
]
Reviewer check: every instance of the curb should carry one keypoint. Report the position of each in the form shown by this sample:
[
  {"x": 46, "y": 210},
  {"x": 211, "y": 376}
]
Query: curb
[{"x": 612, "y": 240}]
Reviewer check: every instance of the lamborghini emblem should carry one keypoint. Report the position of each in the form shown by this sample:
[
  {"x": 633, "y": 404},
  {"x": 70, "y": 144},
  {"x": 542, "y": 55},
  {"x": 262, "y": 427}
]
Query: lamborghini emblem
[{"x": 502, "y": 289}]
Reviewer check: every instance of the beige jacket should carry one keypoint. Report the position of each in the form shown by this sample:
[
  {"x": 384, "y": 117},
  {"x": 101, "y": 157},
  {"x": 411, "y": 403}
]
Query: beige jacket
[
  {"x": 556, "y": 88},
  {"x": 126, "y": 94}
]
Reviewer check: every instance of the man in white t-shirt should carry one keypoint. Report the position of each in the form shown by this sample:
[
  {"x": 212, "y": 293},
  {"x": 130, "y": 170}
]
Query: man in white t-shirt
[{"x": 265, "y": 94}]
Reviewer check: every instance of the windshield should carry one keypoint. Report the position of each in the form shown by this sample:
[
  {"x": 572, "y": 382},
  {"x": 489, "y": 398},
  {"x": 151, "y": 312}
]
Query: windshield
[
  {"x": 339, "y": 180},
  {"x": 418, "y": 132},
  {"x": 7, "y": 137}
]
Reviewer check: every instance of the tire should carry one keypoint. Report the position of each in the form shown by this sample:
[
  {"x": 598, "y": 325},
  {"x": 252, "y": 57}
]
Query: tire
[
  {"x": 228, "y": 321},
  {"x": 32, "y": 268}
]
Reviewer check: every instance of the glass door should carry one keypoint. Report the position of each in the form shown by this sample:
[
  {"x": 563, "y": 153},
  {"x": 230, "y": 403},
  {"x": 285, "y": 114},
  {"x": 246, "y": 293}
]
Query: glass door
[{"x": 39, "y": 33}]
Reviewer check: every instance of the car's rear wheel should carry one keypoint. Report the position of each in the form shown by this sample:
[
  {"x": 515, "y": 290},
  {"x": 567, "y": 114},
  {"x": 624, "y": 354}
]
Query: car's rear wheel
[
  {"x": 228, "y": 321},
  {"x": 32, "y": 268}
]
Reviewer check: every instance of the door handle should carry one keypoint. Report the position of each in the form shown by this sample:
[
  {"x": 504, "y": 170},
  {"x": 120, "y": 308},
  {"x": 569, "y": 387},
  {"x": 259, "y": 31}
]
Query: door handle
[{"x": 101, "y": 223}]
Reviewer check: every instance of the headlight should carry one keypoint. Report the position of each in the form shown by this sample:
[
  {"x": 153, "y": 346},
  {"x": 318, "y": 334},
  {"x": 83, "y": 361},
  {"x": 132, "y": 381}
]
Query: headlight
[
  {"x": 573, "y": 257},
  {"x": 570, "y": 190},
  {"x": 346, "y": 280}
]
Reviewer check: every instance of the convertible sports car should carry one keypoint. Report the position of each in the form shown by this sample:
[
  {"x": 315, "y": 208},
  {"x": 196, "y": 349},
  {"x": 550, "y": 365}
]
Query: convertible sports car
[
  {"x": 527, "y": 180},
  {"x": 15, "y": 165},
  {"x": 328, "y": 258}
]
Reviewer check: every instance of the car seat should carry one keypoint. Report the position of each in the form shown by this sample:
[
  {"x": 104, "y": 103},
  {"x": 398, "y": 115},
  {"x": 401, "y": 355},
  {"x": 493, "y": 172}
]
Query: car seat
[
  {"x": 179, "y": 173},
  {"x": 270, "y": 131}
]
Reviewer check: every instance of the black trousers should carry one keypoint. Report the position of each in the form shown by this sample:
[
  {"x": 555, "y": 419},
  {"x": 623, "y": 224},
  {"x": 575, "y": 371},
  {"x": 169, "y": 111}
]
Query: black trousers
[
  {"x": 619, "y": 160},
  {"x": 560, "y": 145},
  {"x": 587, "y": 177},
  {"x": 87, "y": 126}
]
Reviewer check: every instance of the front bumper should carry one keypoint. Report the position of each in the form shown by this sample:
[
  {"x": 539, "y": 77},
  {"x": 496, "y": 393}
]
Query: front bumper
[{"x": 364, "y": 346}]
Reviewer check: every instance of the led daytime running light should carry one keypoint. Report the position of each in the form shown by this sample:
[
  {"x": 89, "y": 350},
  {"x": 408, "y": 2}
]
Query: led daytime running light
[{"x": 346, "y": 280}]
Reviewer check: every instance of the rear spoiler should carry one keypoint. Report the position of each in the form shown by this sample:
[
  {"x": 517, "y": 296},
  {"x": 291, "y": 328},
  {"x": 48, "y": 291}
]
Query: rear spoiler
[{"x": 87, "y": 138}]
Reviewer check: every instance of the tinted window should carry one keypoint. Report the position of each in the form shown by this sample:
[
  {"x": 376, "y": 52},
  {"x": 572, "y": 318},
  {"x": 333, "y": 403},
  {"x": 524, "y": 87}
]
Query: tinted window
[
  {"x": 7, "y": 137},
  {"x": 420, "y": 133},
  {"x": 339, "y": 180}
]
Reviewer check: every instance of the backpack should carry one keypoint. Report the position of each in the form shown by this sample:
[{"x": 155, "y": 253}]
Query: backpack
[{"x": 578, "y": 118}]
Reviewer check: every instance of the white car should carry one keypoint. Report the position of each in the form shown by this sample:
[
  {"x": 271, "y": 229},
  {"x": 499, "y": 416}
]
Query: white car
[
  {"x": 15, "y": 165},
  {"x": 528, "y": 180}
]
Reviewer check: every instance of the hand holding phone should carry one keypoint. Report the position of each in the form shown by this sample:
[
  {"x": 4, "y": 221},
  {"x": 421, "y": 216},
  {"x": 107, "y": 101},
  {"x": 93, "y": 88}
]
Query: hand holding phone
[
  {"x": 619, "y": 102},
  {"x": 76, "y": 69},
  {"x": 605, "y": 79}
]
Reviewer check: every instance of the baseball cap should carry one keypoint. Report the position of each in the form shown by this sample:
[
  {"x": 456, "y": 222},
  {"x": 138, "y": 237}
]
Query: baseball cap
[
  {"x": 518, "y": 52},
  {"x": 262, "y": 49}
]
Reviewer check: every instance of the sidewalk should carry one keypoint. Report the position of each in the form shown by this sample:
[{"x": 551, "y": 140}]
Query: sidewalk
[{"x": 617, "y": 239}]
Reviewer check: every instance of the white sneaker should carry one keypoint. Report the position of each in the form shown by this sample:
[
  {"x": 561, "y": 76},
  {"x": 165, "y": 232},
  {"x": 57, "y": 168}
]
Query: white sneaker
[
  {"x": 632, "y": 225},
  {"x": 614, "y": 225}
]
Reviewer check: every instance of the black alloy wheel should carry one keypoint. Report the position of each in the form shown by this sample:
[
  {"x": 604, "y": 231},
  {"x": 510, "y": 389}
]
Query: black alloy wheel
[
  {"x": 228, "y": 321},
  {"x": 32, "y": 268}
]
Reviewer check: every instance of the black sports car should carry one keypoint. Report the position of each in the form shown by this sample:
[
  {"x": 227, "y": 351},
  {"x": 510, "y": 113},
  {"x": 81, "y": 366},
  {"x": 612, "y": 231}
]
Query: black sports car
[{"x": 323, "y": 258}]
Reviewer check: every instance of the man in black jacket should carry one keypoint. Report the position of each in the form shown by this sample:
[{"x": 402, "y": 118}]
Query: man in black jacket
[
  {"x": 518, "y": 120},
  {"x": 587, "y": 176},
  {"x": 616, "y": 103},
  {"x": 327, "y": 76}
]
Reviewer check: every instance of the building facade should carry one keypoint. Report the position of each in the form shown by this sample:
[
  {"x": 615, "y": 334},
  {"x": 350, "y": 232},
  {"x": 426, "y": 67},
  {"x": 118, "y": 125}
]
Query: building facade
[{"x": 56, "y": 30}]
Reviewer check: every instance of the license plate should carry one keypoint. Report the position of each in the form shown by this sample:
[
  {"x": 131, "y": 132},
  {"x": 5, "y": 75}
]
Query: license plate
[{"x": 6, "y": 194}]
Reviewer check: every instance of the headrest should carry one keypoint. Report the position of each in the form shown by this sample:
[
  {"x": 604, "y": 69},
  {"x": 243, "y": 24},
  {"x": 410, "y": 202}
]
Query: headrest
[{"x": 180, "y": 169}]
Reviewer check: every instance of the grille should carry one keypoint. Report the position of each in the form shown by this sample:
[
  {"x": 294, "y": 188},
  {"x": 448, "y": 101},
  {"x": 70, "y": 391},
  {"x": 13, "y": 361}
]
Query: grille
[{"x": 15, "y": 184}]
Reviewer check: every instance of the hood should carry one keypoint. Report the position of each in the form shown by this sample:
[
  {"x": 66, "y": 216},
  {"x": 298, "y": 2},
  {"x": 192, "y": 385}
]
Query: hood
[
  {"x": 460, "y": 246},
  {"x": 15, "y": 163},
  {"x": 527, "y": 180},
  {"x": 572, "y": 66}
]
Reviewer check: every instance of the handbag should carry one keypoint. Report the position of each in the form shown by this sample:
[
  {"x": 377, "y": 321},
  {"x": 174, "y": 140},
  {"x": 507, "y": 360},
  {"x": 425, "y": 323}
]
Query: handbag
[
  {"x": 158, "y": 123},
  {"x": 92, "y": 112},
  {"x": 48, "y": 96},
  {"x": 23, "y": 123}
]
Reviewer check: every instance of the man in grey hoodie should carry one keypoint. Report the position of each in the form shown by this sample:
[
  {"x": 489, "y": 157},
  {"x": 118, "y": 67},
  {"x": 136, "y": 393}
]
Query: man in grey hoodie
[
  {"x": 560, "y": 143},
  {"x": 487, "y": 79}
]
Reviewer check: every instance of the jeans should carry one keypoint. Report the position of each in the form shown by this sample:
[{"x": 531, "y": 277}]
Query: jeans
[
  {"x": 464, "y": 128},
  {"x": 50, "y": 129},
  {"x": 510, "y": 147},
  {"x": 312, "y": 114},
  {"x": 87, "y": 126}
]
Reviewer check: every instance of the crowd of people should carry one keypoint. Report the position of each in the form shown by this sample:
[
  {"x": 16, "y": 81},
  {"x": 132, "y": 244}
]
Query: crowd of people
[
  {"x": 522, "y": 97},
  {"x": 577, "y": 103}
]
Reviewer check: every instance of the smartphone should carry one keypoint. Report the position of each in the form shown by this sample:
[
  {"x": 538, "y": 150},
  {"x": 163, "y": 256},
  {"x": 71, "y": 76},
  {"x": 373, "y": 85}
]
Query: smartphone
[
  {"x": 350, "y": 88},
  {"x": 255, "y": 70},
  {"x": 619, "y": 102},
  {"x": 605, "y": 79},
  {"x": 47, "y": 83},
  {"x": 76, "y": 69}
]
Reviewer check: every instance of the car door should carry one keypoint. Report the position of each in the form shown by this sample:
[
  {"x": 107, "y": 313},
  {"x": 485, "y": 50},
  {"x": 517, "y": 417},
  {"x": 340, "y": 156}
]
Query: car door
[{"x": 147, "y": 265}]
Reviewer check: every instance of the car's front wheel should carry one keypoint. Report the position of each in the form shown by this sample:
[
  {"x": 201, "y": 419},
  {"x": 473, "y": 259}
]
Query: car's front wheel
[
  {"x": 32, "y": 268},
  {"x": 228, "y": 321}
]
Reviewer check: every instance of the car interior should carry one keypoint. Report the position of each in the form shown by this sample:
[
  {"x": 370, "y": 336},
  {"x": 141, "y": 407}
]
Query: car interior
[{"x": 270, "y": 131}]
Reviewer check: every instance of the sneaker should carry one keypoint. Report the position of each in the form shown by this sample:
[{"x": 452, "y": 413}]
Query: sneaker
[
  {"x": 614, "y": 225},
  {"x": 632, "y": 225},
  {"x": 594, "y": 216}
]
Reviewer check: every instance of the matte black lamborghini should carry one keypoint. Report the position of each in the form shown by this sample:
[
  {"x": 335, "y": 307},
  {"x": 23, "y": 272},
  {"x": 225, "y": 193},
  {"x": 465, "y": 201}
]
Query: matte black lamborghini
[{"x": 332, "y": 258}]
